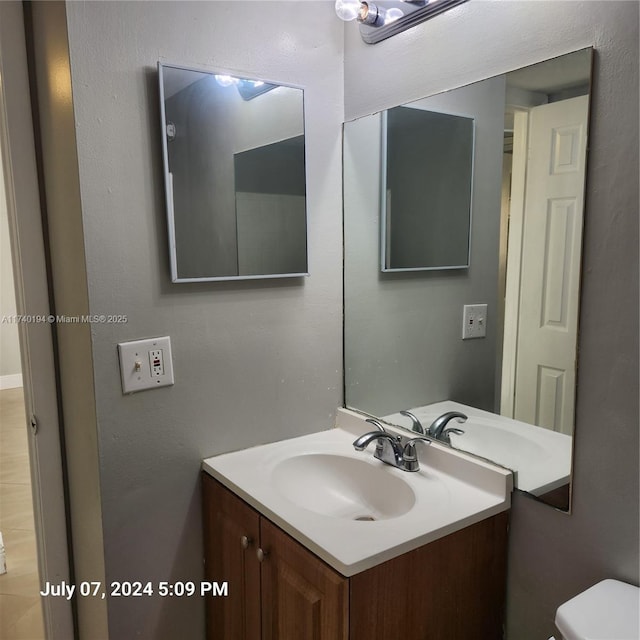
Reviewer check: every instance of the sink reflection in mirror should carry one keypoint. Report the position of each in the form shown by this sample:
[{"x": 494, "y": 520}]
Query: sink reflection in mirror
[
  {"x": 540, "y": 458},
  {"x": 403, "y": 331},
  {"x": 344, "y": 487}
]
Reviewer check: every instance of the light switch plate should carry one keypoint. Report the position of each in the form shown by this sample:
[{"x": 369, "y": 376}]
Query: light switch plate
[
  {"x": 145, "y": 364},
  {"x": 474, "y": 321}
]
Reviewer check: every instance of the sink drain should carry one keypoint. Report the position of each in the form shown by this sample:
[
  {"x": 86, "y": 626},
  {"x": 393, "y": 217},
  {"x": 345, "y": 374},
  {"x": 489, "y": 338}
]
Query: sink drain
[{"x": 365, "y": 518}]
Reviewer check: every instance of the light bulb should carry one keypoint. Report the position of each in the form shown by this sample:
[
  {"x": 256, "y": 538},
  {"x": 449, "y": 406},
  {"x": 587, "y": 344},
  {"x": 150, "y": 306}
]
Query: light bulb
[
  {"x": 347, "y": 10},
  {"x": 392, "y": 15},
  {"x": 370, "y": 14},
  {"x": 225, "y": 81}
]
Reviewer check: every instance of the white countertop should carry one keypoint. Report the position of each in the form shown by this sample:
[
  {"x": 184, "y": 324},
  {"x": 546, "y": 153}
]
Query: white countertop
[{"x": 452, "y": 491}]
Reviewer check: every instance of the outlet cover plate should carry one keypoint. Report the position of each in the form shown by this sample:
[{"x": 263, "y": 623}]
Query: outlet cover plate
[
  {"x": 474, "y": 321},
  {"x": 135, "y": 364}
]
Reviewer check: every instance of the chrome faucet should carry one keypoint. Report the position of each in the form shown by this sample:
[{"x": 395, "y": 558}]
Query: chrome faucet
[
  {"x": 438, "y": 430},
  {"x": 389, "y": 448}
]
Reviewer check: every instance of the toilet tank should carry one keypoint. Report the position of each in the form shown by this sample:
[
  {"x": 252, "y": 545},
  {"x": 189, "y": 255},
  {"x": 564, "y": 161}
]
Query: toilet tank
[{"x": 610, "y": 610}]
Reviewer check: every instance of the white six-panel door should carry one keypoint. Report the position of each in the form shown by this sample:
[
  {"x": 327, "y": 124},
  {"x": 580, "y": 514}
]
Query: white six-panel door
[{"x": 550, "y": 269}]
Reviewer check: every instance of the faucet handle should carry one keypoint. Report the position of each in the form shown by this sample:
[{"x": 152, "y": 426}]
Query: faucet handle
[
  {"x": 377, "y": 424},
  {"x": 416, "y": 425},
  {"x": 409, "y": 455},
  {"x": 439, "y": 424}
]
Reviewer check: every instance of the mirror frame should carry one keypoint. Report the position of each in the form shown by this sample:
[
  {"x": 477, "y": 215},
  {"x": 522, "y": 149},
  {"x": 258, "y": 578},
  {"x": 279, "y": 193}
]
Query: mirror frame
[{"x": 168, "y": 187}]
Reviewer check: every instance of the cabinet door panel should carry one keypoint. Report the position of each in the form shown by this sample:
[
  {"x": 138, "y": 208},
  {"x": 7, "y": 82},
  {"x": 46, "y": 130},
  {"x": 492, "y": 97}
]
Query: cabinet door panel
[
  {"x": 302, "y": 598},
  {"x": 451, "y": 589},
  {"x": 226, "y": 520}
]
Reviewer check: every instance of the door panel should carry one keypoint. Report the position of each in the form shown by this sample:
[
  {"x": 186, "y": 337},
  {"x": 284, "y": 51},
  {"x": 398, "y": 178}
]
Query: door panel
[
  {"x": 551, "y": 251},
  {"x": 232, "y": 530},
  {"x": 302, "y": 598}
]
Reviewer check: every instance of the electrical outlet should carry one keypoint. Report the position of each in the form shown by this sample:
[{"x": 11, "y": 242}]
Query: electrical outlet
[
  {"x": 474, "y": 321},
  {"x": 156, "y": 363},
  {"x": 145, "y": 364}
]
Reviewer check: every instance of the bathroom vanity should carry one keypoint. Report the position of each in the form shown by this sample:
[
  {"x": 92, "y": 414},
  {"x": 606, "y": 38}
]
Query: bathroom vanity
[{"x": 431, "y": 567}]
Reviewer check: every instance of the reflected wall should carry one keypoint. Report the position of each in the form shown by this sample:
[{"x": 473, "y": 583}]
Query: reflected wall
[{"x": 402, "y": 331}]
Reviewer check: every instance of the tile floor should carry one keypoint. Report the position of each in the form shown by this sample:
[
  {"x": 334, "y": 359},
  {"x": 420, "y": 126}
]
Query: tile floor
[{"x": 20, "y": 609}]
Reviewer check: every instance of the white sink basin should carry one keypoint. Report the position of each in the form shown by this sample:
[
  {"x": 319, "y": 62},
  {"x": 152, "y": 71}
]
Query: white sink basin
[
  {"x": 342, "y": 487},
  {"x": 352, "y": 510}
]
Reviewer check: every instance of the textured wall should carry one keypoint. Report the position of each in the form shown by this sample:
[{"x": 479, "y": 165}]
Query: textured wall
[
  {"x": 553, "y": 556},
  {"x": 254, "y": 361}
]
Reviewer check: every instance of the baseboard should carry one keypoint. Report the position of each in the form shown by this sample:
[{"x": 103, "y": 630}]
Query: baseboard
[{"x": 11, "y": 381}]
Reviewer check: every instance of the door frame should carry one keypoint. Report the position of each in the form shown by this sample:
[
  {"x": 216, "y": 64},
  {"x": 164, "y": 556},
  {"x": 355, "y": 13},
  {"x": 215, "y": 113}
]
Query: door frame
[
  {"x": 514, "y": 261},
  {"x": 37, "y": 347}
]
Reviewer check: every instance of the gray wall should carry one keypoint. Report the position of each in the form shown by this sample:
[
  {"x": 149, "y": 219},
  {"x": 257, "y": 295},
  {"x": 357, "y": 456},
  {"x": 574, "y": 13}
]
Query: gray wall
[
  {"x": 253, "y": 362},
  {"x": 403, "y": 345},
  {"x": 553, "y": 556}
]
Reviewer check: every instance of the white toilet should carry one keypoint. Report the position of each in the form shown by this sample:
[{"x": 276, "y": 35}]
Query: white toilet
[{"x": 610, "y": 610}]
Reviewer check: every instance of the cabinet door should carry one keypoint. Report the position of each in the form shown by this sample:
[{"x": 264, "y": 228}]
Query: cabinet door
[
  {"x": 232, "y": 530},
  {"x": 451, "y": 589},
  {"x": 302, "y": 597}
]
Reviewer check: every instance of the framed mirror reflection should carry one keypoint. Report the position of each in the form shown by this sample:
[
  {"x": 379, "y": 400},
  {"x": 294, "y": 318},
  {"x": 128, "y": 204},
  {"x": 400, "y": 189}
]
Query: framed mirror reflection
[
  {"x": 234, "y": 165},
  {"x": 404, "y": 346},
  {"x": 426, "y": 183}
]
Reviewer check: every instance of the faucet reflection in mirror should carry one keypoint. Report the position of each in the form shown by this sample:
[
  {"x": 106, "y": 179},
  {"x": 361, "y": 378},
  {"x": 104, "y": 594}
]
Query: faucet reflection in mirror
[
  {"x": 403, "y": 346},
  {"x": 438, "y": 429},
  {"x": 385, "y": 18}
]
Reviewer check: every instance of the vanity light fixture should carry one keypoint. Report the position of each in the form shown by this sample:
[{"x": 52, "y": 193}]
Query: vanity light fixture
[{"x": 385, "y": 18}]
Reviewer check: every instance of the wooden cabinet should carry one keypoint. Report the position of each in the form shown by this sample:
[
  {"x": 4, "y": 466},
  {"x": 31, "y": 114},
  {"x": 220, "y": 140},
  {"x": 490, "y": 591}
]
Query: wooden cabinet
[
  {"x": 302, "y": 597},
  {"x": 451, "y": 589},
  {"x": 231, "y": 534},
  {"x": 278, "y": 590}
]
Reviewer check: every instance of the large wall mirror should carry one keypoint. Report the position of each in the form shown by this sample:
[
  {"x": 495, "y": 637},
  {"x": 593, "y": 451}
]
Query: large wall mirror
[
  {"x": 234, "y": 162},
  {"x": 404, "y": 346}
]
